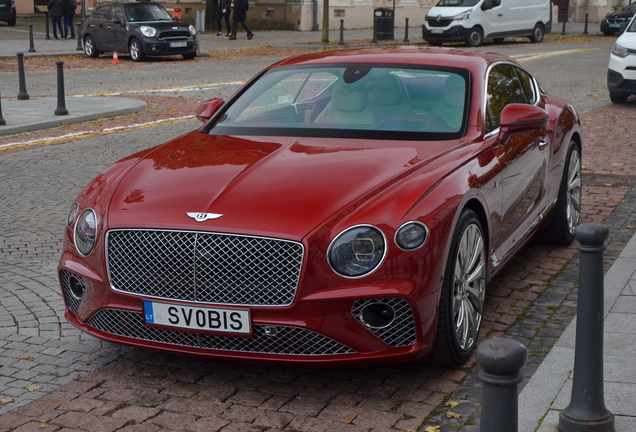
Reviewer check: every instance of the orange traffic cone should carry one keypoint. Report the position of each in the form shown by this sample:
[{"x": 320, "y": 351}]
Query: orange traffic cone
[{"x": 115, "y": 58}]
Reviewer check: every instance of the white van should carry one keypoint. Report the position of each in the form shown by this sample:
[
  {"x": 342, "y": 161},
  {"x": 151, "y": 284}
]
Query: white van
[{"x": 472, "y": 21}]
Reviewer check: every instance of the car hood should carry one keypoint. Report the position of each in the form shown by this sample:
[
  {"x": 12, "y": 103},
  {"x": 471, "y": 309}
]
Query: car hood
[
  {"x": 619, "y": 14},
  {"x": 163, "y": 24},
  {"x": 447, "y": 11},
  {"x": 283, "y": 187},
  {"x": 627, "y": 40}
]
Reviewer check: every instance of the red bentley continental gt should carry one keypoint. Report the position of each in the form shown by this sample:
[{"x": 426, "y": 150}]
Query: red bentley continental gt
[{"x": 342, "y": 207}]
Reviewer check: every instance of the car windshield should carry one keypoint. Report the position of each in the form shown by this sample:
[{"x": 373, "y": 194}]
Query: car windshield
[
  {"x": 448, "y": 3},
  {"x": 632, "y": 26},
  {"x": 356, "y": 100},
  {"x": 147, "y": 12}
]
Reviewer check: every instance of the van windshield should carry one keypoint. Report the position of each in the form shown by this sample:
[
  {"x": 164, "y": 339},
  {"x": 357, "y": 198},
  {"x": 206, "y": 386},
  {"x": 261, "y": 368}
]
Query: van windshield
[{"x": 457, "y": 2}]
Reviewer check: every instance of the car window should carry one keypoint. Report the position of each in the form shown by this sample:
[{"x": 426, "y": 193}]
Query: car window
[
  {"x": 102, "y": 12},
  {"x": 448, "y": 3},
  {"x": 630, "y": 8},
  {"x": 504, "y": 87},
  {"x": 527, "y": 86},
  {"x": 147, "y": 12},
  {"x": 358, "y": 97},
  {"x": 117, "y": 13}
]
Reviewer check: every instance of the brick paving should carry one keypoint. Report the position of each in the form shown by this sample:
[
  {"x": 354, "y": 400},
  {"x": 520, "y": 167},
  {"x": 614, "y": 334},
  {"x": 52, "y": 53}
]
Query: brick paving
[{"x": 103, "y": 387}]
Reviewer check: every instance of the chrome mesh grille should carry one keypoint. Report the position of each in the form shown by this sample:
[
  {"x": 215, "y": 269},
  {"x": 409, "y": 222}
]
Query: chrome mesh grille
[
  {"x": 204, "y": 267},
  {"x": 401, "y": 332},
  {"x": 266, "y": 339},
  {"x": 71, "y": 302}
]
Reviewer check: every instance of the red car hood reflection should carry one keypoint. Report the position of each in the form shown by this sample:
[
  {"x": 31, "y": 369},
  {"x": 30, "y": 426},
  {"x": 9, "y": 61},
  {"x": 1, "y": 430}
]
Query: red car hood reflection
[{"x": 282, "y": 187}]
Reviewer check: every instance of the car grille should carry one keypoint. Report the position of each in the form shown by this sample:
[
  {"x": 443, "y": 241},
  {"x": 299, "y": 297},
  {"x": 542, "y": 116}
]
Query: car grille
[
  {"x": 204, "y": 267},
  {"x": 444, "y": 22},
  {"x": 172, "y": 34},
  {"x": 617, "y": 20},
  {"x": 401, "y": 332},
  {"x": 284, "y": 340},
  {"x": 629, "y": 86},
  {"x": 71, "y": 301}
]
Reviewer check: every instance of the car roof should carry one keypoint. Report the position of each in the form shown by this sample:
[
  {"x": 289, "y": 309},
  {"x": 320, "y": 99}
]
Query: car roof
[{"x": 410, "y": 55}]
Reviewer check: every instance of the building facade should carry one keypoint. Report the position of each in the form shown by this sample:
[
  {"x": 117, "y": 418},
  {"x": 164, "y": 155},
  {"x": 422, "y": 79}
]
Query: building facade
[{"x": 306, "y": 15}]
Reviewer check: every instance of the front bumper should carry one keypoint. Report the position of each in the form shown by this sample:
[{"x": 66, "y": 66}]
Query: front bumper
[
  {"x": 154, "y": 47},
  {"x": 452, "y": 34},
  {"x": 621, "y": 74}
]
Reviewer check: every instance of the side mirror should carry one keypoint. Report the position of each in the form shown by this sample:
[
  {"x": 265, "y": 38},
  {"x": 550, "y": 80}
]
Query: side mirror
[
  {"x": 207, "y": 109},
  {"x": 486, "y": 6},
  {"x": 117, "y": 20},
  {"x": 518, "y": 117}
]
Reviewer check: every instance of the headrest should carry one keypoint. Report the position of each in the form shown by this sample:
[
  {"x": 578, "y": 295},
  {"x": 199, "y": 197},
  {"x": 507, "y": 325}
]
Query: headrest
[
  {"x": 387, "y": 90},
  {"x": 348, "y": 97},
  {"x": 454, "y": 90}
]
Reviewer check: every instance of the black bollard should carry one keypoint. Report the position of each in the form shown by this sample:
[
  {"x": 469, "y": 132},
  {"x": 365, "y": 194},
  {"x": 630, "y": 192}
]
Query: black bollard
[
  {"x": 2, "y": 120},
  {"x": 46, "y": 20},
  {"x": 406, "y": 31},
  {"x": 375, "y": 30},
  {"x": 585, "y": 29},
  {"x": 341, "y": 32},
  {"x": 501, "y": 361},
  {"x": 565, "y": 17},
  {"x": 61, "y": 104},
  {"x": 31, "y": 46},
  {"x": 587, "y": 411},
  {"x": 22, "y": 95},
  {"x": 79, "y": 38}
]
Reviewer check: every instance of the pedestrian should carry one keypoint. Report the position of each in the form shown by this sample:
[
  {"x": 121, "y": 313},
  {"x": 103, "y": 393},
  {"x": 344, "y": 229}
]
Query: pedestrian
[
  {"x": 240, "y": 8},
  {"x": 56, "y": 10},
  {"x": 223, "y": 12},
  {"x": 70, "y": 6}
]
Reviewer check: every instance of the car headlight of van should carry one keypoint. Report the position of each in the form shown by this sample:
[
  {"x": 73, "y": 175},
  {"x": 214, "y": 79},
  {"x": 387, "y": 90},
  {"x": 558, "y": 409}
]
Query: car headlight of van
[
  {"x": 148, "y": 31},
  {"x": 86, "y": 232},
  {"x": 193, "y": 31},
  {"x": 462, "y": 16},
  {"x": 357, "y": 251},
  {"x": 620, "y": 51}
]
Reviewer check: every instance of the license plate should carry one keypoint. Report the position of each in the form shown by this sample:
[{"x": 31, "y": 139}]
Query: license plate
[
  {"x": 178, "y": 44},
  {"x": 614, "y": 25},
  {"x": 437, "y": 31},
  {"x": 222, "y": 320}
]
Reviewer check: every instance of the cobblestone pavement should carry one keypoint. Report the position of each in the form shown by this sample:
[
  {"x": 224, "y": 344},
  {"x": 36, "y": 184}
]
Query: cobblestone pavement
[{"x": 54, "y": 378}]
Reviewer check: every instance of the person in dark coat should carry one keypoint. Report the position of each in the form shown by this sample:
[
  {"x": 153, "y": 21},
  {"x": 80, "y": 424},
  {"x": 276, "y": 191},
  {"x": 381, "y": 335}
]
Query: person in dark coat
[
  {"x": 69, "y": 13},
  {"x": 223, "y": 12},
  {"x": 239, "y": 16},
  {"x": 56, "y": 10}
]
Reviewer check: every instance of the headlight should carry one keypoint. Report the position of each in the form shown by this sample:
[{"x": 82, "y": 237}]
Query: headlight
[
  {"x": 620, "y": 51},
  {"x": 71, "y": 214},
  {"x": 85, "y": 232},
  {"x": 148, "y": 31},
  {"x": 411, "y": 235},
  {"x": 193, "y": 31},
  {"x": 357, "y": 251},
  {"x": 462, "y": 16}
]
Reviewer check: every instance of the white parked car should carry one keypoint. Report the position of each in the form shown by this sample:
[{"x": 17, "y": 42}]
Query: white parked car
[{"x": 621, "y": 74}]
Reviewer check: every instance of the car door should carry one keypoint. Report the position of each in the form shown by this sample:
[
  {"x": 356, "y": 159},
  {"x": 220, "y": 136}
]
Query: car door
[
  {"x": 100, "y": 18},
  {"x": 117, "y": 29},
  {"x": 493, "y": 18},
  {"x": 523, "y": 156}
]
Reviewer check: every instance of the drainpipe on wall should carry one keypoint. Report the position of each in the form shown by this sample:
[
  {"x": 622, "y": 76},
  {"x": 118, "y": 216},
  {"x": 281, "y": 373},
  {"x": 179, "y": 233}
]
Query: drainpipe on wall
[{"x": 315, "y": 25}]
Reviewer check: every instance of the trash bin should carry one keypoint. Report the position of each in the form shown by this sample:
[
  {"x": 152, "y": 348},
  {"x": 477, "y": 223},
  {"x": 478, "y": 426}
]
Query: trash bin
[
  {"x": 383, "y": 24},
  {"x": 176, "y": 13}
]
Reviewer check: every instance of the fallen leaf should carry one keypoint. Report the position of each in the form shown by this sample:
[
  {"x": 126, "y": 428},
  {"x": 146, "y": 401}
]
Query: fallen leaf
[
  {"x": 452, "y": 404},
  {"x": 28, "y": 358},
  {"x": 432, "y": 429},
  {"x": 6, "y": 401},
  {"x": 86, "y": 363},
  {"x": 42, "y": 426},
  {"x": 452, "y": 415},
  {"x": 34, "y": 387}
]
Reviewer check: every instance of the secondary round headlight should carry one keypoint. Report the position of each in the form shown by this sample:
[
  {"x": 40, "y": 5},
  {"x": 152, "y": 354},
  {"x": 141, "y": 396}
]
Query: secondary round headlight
[
  {"x": 85, "y": 232},
  {"x": 71, "y": 214},
  {"x": 411, "y": 235},
  {"x": 148, "y": 31},
  {"x": 357, "y": 251},
  {"x": 193, "y": 31}
]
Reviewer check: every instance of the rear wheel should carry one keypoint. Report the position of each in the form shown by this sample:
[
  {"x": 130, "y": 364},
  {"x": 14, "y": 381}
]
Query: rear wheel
[
  {"x": 90, "y": 49},
  {"x": 567, "y": 210},
  {"x": 463, "y": 293},
  {"x": 537, "y": 33},
  {"x": 136, "y": 51},
  {"x": 475, "y": 37},
  {"x": 618, "y": 98}
]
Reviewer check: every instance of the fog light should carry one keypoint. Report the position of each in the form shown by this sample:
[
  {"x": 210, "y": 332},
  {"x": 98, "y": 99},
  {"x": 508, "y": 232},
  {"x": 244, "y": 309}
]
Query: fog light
[
  {"x": 77, "y": 287},
  {"x": 377, "y": 315}
]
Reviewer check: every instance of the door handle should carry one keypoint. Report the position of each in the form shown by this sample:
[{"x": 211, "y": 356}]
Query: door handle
[{"x": 500, "y": 15}]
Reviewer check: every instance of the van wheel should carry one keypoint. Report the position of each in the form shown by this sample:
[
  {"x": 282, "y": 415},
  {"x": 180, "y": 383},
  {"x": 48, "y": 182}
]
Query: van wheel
[
  {"x": 475, "y": 37},
  {"x": 537, "y": 33},
  {"x": 498, "y": 40}
]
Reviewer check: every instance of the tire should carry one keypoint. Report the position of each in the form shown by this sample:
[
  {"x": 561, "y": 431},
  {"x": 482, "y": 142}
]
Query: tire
[
  {"x": 189, "y": 56},
  {"x": 537, "y": 33},
  {"x": 475, "y": 37},
  {"x": 567, "y": 210},
  {"x": 498, "y": 40},
  {"x": 608, "y": 32},
  {"x": 618, "y": 98},
  {"x": 11, "y": 22},
  {"x": 436, "y": 44},
  {"x": 136, "y": 51},
  {"x": 463, "y": 293},
  {"x": 90, "y": 48}
]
